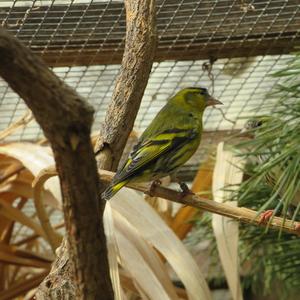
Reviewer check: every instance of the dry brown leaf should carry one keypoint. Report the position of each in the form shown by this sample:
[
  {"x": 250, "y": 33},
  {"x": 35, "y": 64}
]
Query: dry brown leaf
[
  {"x": 20, "y": 123},
  {"x": 140, "y": 271},
  {"x": 18, "y": 188},
  {"x": 34, "y": 158},
  {"x": 24, "y": 253},
  {"x": 16, "y": 215},
  {"x": 112, "y": 249},
  {"x": 227, "y": 172},
  {"x": 24, "y": 189},
  {"x": 15, "y": 259},
  {"x": 19, "y": 288},
  {"x": 143, "y": 221},
  {"x": 53, "y": 237},
  {"x": 155, "y": 231},
  {"x": 146, "y": 251}
]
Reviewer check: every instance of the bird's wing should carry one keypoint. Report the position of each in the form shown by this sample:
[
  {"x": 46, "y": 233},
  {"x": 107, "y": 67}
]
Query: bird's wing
[{"x": 147, "y": 151}]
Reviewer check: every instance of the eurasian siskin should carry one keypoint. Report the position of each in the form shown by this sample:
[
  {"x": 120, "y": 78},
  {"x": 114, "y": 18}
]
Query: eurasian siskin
[{"x": 169, "y": 141}]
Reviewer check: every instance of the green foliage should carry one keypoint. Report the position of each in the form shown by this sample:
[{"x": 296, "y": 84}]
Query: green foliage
[
  {"x": 268, "y": 258},
  {"x": 277, "y": 142},
  {"x": 274, "y": 257}
]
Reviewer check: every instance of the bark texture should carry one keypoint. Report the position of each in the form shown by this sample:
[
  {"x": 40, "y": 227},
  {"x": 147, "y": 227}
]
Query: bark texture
[
  {"x": 241, "y": 214},
  {"x": 66, "y": 120},
  {"x": 129, "y": 89},
  {"x": 136, "y": 66}
]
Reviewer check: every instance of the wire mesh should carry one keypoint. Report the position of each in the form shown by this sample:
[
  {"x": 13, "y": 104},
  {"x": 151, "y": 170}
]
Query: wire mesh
[
  {"x": 87, "y": 32},
  {"x": 84, "y": 40}
]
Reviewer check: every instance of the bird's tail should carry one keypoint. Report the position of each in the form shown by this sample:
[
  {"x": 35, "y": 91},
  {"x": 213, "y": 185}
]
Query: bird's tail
[{"x": 112, "y": 190}]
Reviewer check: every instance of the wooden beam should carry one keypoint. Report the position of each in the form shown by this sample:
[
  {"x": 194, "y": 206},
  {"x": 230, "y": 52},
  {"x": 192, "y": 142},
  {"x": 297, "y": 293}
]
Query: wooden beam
[
  {"x": 238, "y": 48},
  {"x": 91, "y": 34}
]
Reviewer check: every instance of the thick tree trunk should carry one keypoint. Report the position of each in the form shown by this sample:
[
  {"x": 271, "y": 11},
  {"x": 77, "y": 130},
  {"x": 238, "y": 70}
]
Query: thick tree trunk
[{"x": 66, "y": 120}]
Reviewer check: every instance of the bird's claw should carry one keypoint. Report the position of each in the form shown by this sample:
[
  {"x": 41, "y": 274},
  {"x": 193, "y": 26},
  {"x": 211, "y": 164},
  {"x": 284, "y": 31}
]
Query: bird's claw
[
  {"x": 153, "y": 185},
  {"x": 185, "y": 189},
  {"x": 266, "y": 216}
]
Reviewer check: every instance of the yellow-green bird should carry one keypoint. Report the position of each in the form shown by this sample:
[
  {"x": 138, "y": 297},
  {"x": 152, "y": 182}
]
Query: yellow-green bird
[{"x": 168, "y": 142}]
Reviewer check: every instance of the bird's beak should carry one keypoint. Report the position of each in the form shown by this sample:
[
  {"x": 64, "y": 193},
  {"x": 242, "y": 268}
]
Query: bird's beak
[{"x": 212, "y": 101}]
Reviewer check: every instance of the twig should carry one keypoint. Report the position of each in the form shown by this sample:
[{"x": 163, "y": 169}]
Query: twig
[
  {"x": 207, "y": 67},
  {"x": 245, "y": 7},
  {"x": 242, "y": 214},
  {"x": 53, "y": 237},
  {"x": 35, "y": 236},
  {"x": 22, "y": 122},
  {"x": 12, "y": 213},
  {"x": 19, "y": 22},
  {"x": 17, "y": 168},
  {"x": 21, "y": 287}
]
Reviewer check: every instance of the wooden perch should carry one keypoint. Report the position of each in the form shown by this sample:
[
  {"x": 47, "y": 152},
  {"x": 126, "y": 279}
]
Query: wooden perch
[
  {"x": 66, "y": 120},
  {"x": 242, "y": 214}
]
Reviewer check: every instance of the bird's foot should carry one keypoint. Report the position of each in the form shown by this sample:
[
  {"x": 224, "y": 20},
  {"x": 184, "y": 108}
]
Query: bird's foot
[
  {"x": 266, "y": 216},
  {"x": 153, "y": 185},
  {"x": 185, "y": 189}
]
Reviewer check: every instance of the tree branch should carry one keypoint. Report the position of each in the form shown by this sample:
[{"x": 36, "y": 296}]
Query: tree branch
[
  {"x": 132, "y": 80},
  {"x": 242, "y": 214},
  {"x": 66, "y": 120},
  {"x": 129, "y": 89}
]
